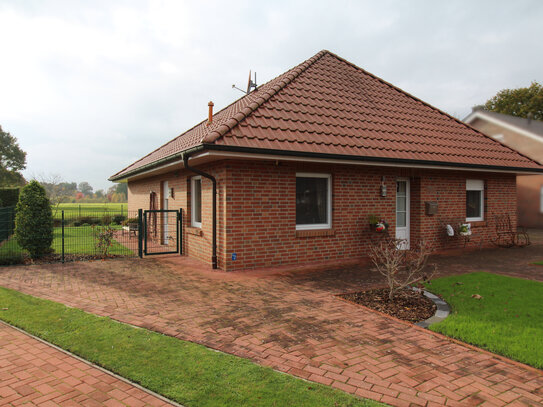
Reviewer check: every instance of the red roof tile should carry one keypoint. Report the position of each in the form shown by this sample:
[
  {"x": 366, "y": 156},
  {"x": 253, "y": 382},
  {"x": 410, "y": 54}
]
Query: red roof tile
[{"x": 330, "y": 106}]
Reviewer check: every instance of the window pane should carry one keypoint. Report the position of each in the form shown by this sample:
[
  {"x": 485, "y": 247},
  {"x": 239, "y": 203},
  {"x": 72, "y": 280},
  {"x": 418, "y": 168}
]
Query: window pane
[
  {"x": 311, "y": 201},
  {"x": 401, "y": 187},
  {"x": 473, "y": 204},
  {"x": 400, "y": 219},
  {"x": 197, "y": 210},
  {"x": 400, "y": 203}
]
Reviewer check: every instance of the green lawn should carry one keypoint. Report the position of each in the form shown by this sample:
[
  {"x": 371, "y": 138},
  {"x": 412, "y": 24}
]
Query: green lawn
[
  {"x": 182, "y": 371},
  {"x": 73, "y": 210},
  {"x": 77, "y": 240},
  {"x": 507, "y": 320},
  {"x": 539, "y": 263}
]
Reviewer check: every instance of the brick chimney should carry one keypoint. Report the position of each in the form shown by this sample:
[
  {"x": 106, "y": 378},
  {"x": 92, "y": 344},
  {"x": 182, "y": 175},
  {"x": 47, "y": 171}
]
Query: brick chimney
[{"x": 210, "y": 114}]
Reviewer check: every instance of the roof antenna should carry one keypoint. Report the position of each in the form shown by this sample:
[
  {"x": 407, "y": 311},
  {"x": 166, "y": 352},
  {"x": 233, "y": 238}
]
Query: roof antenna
[{"x": 250, "y": 84}]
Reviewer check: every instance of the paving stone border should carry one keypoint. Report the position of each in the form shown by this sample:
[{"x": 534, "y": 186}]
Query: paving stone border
[
  {"x": 443, "y": 310},
  {"x": 95, "y": 366}
]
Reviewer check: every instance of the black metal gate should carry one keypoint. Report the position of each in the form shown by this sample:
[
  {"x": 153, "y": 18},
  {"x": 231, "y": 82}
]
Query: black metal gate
[{"x": 160, "y": 232}]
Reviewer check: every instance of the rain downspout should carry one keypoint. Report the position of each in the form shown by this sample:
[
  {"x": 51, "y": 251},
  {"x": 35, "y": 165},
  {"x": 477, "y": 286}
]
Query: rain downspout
[{"x": 186, "y": 157}]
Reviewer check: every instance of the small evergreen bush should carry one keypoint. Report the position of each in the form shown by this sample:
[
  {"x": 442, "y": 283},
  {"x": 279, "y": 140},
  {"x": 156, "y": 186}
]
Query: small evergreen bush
[{"x": 34, "y": 220}]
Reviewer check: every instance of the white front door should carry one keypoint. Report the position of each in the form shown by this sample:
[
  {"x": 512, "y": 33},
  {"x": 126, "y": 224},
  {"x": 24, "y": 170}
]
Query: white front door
[
  {"x": 165, "y": 194},
  {"x": 402, "y": 212}
]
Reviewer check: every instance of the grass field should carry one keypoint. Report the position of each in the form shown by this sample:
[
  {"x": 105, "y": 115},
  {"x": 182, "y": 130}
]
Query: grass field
[
  {"x": 77, "y": 240},
  {"x": 72, "y": 210},
  {"x": 190, "y": 374},
  {"x": 507, "y": 320}
]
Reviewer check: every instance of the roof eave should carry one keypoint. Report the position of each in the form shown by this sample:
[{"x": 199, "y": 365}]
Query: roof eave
[
  {"x": 122, "y": 176},
  {"x": 337, "y": 157}
]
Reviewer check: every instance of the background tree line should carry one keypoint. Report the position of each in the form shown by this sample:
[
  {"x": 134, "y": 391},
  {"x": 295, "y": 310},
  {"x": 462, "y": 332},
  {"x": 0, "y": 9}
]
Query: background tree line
[{"x": 60, "y": 191}]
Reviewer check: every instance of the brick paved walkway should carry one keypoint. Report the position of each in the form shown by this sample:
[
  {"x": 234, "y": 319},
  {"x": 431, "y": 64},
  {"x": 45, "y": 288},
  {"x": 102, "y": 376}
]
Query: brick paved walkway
[
  {"x": 292, "y": 322},
  {"x": 35, "y": 374}
]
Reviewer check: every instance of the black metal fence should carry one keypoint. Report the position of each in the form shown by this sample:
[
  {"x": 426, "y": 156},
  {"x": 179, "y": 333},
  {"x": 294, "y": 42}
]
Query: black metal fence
[
  {"x": 7, "y": 223},
  {"x": 77, "y": 235}
]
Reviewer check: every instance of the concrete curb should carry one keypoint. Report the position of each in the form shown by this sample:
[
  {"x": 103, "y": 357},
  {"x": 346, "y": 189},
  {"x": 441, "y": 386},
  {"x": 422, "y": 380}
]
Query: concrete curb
[{"x": 443, "y": 310}]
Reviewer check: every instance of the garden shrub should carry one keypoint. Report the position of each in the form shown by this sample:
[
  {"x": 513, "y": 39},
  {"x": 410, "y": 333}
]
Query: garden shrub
[
  {"x": 34, "y": 220},
  {"x": 88, "y": 220},
  {"x": 11, "y": 258},
  {"x": 85, "y": 220},
  {"x": 103, "y": 239},
  {"x": 9, "y": 196},
  {"x": 118, "y": 219}
]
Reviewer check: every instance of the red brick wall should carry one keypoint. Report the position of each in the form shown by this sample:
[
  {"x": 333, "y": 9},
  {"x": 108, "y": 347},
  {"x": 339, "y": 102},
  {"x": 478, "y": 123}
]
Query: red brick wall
[
  {"x": 196, "y": 241},
  {"x": 261, "y": 210},
  {"x": 257, "y": 210}
]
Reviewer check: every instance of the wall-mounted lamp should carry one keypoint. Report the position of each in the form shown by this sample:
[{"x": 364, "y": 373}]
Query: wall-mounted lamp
[
  {"x": 171, "y": 194},
  {"x": 383, "y": 187}
]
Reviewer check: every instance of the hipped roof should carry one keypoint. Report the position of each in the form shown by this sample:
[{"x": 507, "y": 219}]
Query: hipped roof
[{"x": 328, "y": 106}]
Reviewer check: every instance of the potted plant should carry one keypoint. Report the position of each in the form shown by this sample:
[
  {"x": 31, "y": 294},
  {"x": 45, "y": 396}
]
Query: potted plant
[
  {"x": 465, "y": 229},
  {"x": 377, "y": 224}
]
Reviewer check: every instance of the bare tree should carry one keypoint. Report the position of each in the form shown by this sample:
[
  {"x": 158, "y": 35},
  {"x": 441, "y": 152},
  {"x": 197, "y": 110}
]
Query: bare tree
[
  {"x": 57, "y": 190},
  {"x": 401, "y": 268}
]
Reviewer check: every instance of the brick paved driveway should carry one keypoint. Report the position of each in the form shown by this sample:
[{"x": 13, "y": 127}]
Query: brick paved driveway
[
  {"x": 35, "y": 374},
  {"x": 292, "y": 322}
]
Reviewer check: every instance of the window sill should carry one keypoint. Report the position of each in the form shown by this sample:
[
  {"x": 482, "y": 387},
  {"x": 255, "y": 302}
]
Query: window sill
[
  {"x": 315, "y": 232},
  {"x": 193, "y": 231}
]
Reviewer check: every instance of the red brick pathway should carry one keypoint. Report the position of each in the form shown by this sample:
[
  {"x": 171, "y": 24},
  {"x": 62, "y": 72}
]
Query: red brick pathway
[
  {"x": 293, "y": 322},
  {"x": 35, "y": 374}
]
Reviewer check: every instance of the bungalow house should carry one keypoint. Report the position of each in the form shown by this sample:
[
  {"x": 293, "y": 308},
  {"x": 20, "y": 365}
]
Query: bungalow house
[
  {"x": 525, "y": 136},
  {"x": 292, "y": 172}
]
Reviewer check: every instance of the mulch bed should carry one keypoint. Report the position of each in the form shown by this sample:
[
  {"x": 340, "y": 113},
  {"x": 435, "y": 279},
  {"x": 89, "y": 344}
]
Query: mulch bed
[
  {"x": 54, "y": 258},
  {"x": 408, "y": 305}
]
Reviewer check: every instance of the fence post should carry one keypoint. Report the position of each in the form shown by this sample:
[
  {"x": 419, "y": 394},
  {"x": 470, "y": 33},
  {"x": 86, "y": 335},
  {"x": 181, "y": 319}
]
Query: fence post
[
  {"x": 62, "y": 223},
  {"x": 140, "y": 233},
  {"x": 180, "y": 231},
  {"x": 79, "y": 210}
]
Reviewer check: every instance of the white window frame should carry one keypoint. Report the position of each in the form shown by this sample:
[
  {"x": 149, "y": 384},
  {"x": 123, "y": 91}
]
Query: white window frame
[
  {"x": 193, "y": 222},
  {"x": 328, "y": 178},
  {"x": 476, "y": 185}
]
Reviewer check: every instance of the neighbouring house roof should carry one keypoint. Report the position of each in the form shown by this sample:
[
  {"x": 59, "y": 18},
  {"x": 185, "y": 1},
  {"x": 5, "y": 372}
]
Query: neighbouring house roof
[
  {"x": 328, "y": 106},
  {"x": 535, "y": 127}
]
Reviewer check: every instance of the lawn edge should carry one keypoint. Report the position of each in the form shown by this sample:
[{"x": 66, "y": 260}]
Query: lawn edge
[
  {"x": 108, "y": 372},
  {"x": 448, "y": 338},
  {"x": 155, "y": 331}
]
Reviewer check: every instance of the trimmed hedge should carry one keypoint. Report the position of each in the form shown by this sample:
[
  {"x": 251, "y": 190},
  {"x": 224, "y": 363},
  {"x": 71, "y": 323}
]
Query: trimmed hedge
[{"x": 9, "y": 196}]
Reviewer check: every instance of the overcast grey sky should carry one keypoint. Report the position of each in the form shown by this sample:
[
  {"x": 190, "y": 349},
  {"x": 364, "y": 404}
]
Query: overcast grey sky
[{"x": 90, "y": 86}]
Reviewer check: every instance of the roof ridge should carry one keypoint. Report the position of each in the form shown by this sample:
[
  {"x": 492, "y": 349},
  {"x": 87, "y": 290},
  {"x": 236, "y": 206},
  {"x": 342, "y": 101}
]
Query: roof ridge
[{"x": 289, "y": 76}]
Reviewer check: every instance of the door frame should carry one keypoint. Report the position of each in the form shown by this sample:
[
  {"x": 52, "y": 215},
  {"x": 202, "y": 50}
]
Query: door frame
[{"x": 407, "y": 211}]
